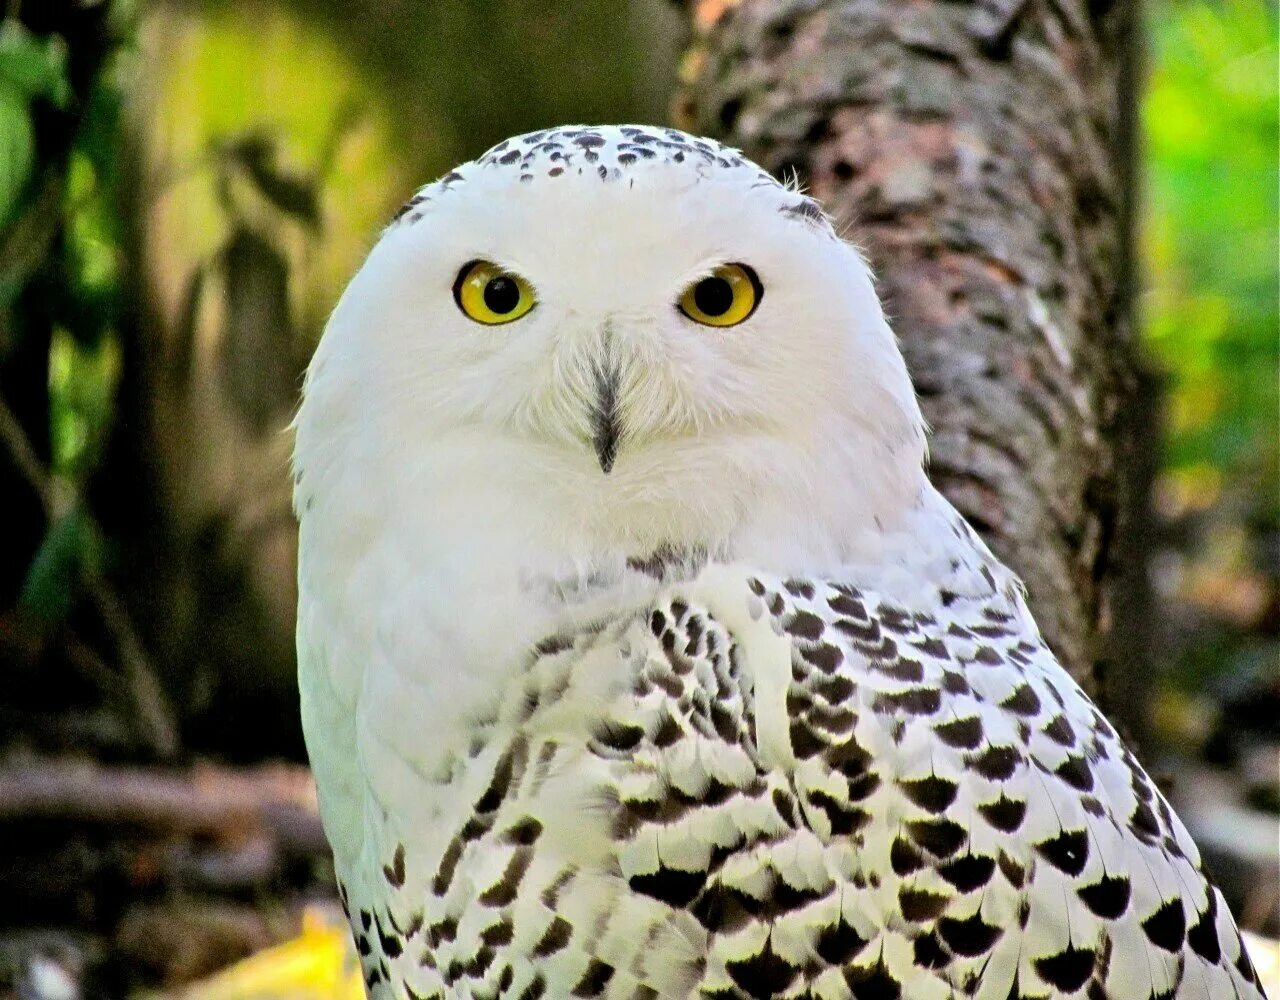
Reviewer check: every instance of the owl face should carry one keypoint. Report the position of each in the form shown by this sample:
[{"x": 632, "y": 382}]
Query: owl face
[{"x": 620, "y": 302}]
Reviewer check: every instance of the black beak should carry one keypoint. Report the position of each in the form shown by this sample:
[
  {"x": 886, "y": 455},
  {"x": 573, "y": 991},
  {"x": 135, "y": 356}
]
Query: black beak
[{"x": 605, "y": 418}]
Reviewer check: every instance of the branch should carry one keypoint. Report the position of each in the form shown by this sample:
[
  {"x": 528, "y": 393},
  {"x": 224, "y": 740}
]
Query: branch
[
  {"x": 154, "y": 717},
  {"x": 230, "y": 803}
]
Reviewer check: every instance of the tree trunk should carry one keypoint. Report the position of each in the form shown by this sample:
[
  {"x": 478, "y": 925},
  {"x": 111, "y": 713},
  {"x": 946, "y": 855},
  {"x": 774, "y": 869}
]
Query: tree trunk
[{"x": 978, "y": 152}]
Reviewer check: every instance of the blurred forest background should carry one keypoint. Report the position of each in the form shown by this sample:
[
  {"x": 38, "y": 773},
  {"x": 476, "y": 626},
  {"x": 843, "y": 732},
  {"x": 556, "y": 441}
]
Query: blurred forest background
[{"x": 185, "y": 187}]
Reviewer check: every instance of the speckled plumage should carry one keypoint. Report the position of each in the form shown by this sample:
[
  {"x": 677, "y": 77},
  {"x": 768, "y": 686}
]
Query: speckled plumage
[{"x": 755, "y": 714}]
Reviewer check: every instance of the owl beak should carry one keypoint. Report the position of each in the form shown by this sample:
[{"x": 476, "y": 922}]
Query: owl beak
[{"x": 604, "y": 421}]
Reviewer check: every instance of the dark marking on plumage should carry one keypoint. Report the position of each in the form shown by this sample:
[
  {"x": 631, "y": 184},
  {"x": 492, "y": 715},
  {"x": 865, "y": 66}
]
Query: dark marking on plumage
[
  {"x": 953, "y": 682},
  {"x": 969, "y": 937},
  {"x": 1006, "y": 814},
  {"x": 804, "y": 625},
  {"x": 933, "y": 794},
  {"x": 920, "y": 905},
  {"x": 1068, "y": 851},
  {"x": 940, "y": 837},
  {"x": 724, "y": 910},
  {"x": 987, "y": 655},
  {"x": 763, "y": 975},
  {"x": 1143, "y": 823},
  {"x": 536, "y": 989},
  {"x": 1059, "y": 730},
  {"x": 963, "y": 734},
  {"x": 555, "y": 938},
  {"x": 394, "y": 872},
  {"x": 1167, "y": 927},
  {"x": 671, "y": 886},
  {"x": 1023, "y": 701},
  {"x": 442, "y": 931},
  {"x": 931, "y": 646},
  {"x": 1068, "y": 970},
  {"x": 1013, "y": 872},
  {"x": 996, "y": 763},
  {"x": 388, "y": 941},
  {"x": 914, "y": 701},
  {"x": 786, "y": 806},
  {"x": 825, "y": 657},
  {"x": 1075, "y": 772},
  {"x": 929, "y": 953},
  {"x": 969, "y": 872},
  {"x": 905, "y": 858},
  {"x": 845, "y": 820},
  {"x": 872, "y": 982},
  {"x": 594, "y": 979},
  {"x": 503, "y": 892},
  {"x": 1203, "y": 935},
  {"x": 838, "y": 943},
  {"x": 553, "y": 644},
  {"x": 1108, "y": 897}
]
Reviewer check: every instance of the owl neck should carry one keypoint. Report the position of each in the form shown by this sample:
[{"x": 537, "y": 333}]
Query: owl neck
[{"x": 496, "y": 507}]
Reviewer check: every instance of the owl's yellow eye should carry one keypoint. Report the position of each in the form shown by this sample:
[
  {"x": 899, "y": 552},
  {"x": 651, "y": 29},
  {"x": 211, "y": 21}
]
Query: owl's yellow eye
[
  {"x": 725, "y": 297},
  {"x": 490, "y": 295}
]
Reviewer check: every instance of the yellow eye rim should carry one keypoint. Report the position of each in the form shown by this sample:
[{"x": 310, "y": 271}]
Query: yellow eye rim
[
  {"x": 492, "y": 295},
  {"x": 725, "y": 297}
]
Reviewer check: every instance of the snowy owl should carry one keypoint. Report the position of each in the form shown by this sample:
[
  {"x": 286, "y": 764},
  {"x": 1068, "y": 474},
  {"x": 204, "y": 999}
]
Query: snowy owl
[{"x": 638, "y": 656}]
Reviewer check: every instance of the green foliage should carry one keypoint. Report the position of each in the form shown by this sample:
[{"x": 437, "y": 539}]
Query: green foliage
[
  {"x": 70, "y": 553},
  {"x": 1211, "y": 243},
  {"x": 31, "y": 69}
]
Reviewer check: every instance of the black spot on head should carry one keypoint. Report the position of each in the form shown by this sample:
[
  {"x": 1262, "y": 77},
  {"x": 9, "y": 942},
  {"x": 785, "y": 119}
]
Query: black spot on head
[{"x": 808, "y": 210}]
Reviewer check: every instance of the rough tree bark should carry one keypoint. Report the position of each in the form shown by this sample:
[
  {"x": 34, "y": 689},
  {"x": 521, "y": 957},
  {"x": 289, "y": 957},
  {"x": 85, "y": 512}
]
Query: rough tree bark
[{"x": 978, "y": 152}]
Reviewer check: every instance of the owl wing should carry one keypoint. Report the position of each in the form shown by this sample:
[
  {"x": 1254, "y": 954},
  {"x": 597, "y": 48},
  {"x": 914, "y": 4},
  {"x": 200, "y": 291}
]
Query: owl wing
[
  {"x": 936, "y": 808},
  {"x": 791, "y": 788}
]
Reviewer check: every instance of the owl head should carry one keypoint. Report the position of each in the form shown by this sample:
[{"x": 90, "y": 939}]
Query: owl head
[{"x": 637, "y": 328}]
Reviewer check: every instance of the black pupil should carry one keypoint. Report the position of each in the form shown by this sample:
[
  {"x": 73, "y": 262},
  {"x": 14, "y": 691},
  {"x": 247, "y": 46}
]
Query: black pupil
[
  {"x": 501, "y": 295},
  {"x": 713, "y": 296}
]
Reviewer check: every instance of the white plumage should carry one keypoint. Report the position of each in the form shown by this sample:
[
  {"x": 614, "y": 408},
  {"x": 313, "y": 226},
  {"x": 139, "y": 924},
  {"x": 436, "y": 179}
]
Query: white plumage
[{"x": 638, "y": 656}]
